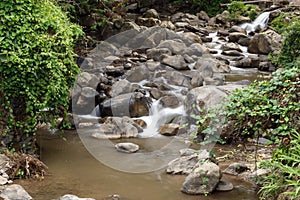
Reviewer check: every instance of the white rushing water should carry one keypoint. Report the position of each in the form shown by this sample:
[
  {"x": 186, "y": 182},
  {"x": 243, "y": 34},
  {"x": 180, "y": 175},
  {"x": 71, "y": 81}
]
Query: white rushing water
[
  {"x": 159, "y": 116},
  {"x": 259, "y": 23}
]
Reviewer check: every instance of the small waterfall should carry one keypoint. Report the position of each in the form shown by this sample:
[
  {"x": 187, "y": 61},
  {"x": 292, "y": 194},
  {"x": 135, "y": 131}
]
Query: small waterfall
[
  {"x": 259, "y": 23},
  {"x": 158, "y": 117}
]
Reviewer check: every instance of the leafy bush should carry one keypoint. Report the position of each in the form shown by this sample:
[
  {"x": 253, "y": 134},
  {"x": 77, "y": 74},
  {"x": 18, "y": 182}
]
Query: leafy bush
[
  {"x": 210, "y": 7},
  {"x": 37, "y": 68},
  {"x": 238, "y": 8}
]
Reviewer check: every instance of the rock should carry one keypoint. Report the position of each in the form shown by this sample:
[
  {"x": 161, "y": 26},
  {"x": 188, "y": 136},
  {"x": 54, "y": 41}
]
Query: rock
[
  {"x": 73, "y": 197},
  {"x": 203, "y": 179},
  {"x": 223, "y": 17},
  {"x": 237, "y": 29},
  {"x": 216, "y": 65},
  {"x": 4, "y": 163},
  {"x": 236, "y": 168},
  {"x": 148, "y": 22},
  {"x": 177, "y": 78},
  {"x": 185, "y": 164},
  {"x": 230, "y": 46},
  {"x": 129, "y": 26},
  {"x": 169, "y": 129},
  {"x": 127, "y": 147},
  {"x": 86, "y": 79},
  {"x": 248, "y": 62},
  {"x": 3, "y": 180},
  {"x": 224, "y": 186},
  {"x": 196, "y": 49},
  {"x": 176, "y": 46},
  {"x": 158, "y": 54},
  {"x": 117, "y": 127},
  {"x": 177, "y": 62},
  {"x": 203, "y": 16},
  {"x": 217, "y": 80},
  {"x": 155, "y": 93},
  {"x": 151, "y": 13},
  {"x": 168, "y": 24},
  {"x": 207, "y": 96},
  {"x": 187, "y": 152},
  {"x": 232, "y": 53},
  {"x": 236, "y": 36},
  {"x": 14, "y": 192},
  {"x": 170, "y": 101},
  {"x": 265, "y": 43},
  {"x": 138, "y": 74},
  {"x": 114, "y": 71},
  {"x": 131, "y": 104},
  {"x": 244, "y": 41},
  {"x": 123, "y": 87}
]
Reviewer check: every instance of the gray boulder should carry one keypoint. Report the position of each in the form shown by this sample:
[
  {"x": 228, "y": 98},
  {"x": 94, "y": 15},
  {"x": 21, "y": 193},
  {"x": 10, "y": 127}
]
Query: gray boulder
[
  {"x": 14, "y": 192},
  {"x": 123, "y": 87},
  {"x": 157, "y": 54},
  {"x": 170, "y": 101},
  {"x": 138, "y": 74},
  {"x": 177, "y": 78},
  {"x": 203, "y": 179},
  {"x": 216, "y": 65},
  {"x": 265, "y": 43},
  {"x": 176, "y": 46},
  {"x": 224, "y": 186},
  {"x": 86, "y": 79},
  {"x": 134, "y": 104},
  {"x": 236, "y": 36},
  {"x": 186, "y": 163}
]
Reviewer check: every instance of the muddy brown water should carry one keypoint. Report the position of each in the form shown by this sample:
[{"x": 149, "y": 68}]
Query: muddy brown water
[{"x": 72, "y": 170}]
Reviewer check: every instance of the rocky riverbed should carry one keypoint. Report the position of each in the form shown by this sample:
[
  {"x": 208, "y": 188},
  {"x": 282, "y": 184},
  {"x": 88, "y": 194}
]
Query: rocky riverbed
[{"x": 147, "y": 81}]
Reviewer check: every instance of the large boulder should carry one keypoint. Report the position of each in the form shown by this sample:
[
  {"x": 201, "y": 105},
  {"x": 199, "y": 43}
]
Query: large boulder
[
  {"x": 186, "y": 163},
  {"x": 123, "y": 87},
  {"x": 14, "y": 192},
  {"x": 157, "y": 54},
  {"x": 138, "y": 74},
  {"x": 176, "y": 46},
  {"x": 202, "y": 98},
  {"x": 169, "y": 129},
  {"x": 177, "y": 78},
  {"x": 203, "y": 179},
  {"x": 117, "y": 127},
  {"x": 216, "y": 65},
  {"x": 86, "y": 79},
  {"x": 134, "y": 104},
  {"x": 265, "y": 43},
  {"x": 177, "y": 62},
  {"x": 236, "y": 36}
]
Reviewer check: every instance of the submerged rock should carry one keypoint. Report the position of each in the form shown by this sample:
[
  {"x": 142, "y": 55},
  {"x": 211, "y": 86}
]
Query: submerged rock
[
  {"x": 224, "y": 186},
  {"x": 127, "y": 147},
  {"x": 73, "y": 197},
  {"x": 236, "y": 168}
]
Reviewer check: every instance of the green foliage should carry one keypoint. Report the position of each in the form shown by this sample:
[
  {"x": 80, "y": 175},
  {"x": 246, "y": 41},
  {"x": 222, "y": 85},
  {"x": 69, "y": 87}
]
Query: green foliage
[
  {"x": 238, "y": 8},
  {"x": 37, "y": 67},
  {"x": 210, "y": 7},
  {"x": 285, "y": 172},
  {"x": 290, "y": 53}
]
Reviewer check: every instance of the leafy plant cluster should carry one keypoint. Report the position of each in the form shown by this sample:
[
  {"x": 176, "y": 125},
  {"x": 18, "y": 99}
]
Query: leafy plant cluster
[
  {"x": 210, "y": 7},
  {"x": 270, "y": 109},
  {"x": 238, "y": 8},
  {"x": 100, "y": 10},
  {"x": 37, "y": 68}
]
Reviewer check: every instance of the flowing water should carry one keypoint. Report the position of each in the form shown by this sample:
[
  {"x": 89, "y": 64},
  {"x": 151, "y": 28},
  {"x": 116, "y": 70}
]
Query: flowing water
[{"x": 72, "y": 170}]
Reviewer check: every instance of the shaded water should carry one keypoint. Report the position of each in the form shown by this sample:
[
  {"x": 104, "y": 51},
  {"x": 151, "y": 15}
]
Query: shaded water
[{"x": 72, "y": 170}]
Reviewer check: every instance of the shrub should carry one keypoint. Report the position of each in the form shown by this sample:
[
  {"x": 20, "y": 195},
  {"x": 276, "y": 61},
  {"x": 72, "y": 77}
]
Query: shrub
[{"x": 37, "y": 68}]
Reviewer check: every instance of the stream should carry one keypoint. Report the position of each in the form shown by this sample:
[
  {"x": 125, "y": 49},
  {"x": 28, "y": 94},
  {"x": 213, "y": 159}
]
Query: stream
[
  {"x": 89, "y": 167},
  {"x": 72, "y": 170}
]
